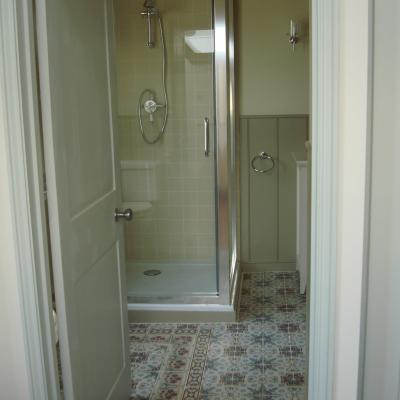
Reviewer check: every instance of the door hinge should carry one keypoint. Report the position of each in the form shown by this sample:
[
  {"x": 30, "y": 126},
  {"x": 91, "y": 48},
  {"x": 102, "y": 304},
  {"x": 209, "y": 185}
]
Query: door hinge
[{"x": 44, "y": 187}]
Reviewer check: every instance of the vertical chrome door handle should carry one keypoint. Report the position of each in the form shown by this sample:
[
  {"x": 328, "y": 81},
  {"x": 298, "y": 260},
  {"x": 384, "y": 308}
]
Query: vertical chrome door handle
[{"x": 206, "y": 136}]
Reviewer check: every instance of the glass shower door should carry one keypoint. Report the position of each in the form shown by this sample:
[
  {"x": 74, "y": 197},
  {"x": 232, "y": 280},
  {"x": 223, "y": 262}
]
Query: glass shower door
[{"x": 170, "y": 184}]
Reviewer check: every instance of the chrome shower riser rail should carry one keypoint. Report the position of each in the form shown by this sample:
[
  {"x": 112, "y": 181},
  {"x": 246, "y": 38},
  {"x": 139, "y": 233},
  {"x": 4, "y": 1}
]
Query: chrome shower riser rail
[
  {"x": 164, "y": 83},
  {"x": 149, "y": 14}
]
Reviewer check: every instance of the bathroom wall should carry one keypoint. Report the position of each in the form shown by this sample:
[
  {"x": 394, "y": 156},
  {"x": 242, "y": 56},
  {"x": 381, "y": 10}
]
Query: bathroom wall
[
  {"x": 268, "y": 200},
  {"x": 180, "y": 226},
  {"x": 274, "y": 107},
  {"x": 272, "y": 79},
  {"x": 382, "y": 329}
]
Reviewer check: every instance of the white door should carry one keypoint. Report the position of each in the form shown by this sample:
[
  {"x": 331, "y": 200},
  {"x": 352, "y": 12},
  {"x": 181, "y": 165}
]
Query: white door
[{"x": 75, "y": 46}]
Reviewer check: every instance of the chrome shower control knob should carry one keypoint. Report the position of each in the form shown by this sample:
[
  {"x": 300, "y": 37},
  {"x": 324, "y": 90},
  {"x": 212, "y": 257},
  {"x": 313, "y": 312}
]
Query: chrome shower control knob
[
  {"x": 127, "y": 214},
  {"x": 150, "y": 106}
]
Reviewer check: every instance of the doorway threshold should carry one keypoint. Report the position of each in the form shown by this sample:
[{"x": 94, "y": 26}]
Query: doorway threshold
[{"x": 190, "y": 313}]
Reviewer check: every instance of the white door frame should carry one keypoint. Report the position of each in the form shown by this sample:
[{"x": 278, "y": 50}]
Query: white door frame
[
  {"x": 19, "y": 98},
  {"x": 324, "y": 131},
  {"x": 18, "y": 78}
]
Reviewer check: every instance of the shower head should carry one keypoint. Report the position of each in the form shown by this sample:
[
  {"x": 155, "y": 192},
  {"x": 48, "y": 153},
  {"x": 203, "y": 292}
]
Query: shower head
[
  {"x": 149, "y": 8},
  {"x": 148, "y": 4}
]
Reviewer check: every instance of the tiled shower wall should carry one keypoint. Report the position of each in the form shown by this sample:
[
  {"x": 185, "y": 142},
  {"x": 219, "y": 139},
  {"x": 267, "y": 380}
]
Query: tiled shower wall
[{"x": 180, "y": 225}]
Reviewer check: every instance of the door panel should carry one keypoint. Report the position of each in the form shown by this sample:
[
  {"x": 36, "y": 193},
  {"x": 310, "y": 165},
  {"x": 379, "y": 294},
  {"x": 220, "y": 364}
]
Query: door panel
[
  {"x": 94, "y": 230},
  {"x": 103, "y": 323},
  {"x": 263, "y": 191},
  {"x": 75, "y": 45},
  {"x": 268, "y": 201}
]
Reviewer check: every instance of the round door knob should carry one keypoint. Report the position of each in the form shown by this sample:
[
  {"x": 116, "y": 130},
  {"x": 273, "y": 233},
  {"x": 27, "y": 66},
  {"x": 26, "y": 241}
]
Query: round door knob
[{"x": 127, "y": 214}]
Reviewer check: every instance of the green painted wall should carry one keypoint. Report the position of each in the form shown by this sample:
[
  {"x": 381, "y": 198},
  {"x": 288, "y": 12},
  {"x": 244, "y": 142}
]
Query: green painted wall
[
  {"x": 268, "y": 201},
  {"x": 273, "y": 100},
  {"x": 272, "y": 79}
]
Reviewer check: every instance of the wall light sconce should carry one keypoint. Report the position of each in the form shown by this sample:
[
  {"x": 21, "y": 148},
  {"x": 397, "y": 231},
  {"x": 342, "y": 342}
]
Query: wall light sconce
[{"x": 294, "y": 33}]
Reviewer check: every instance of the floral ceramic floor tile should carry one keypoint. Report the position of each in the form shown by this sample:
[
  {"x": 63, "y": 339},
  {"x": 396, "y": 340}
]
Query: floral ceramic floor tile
[{"x": 262, "y": 357}]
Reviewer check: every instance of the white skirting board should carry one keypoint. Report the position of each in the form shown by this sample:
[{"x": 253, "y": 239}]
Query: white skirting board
[{"x": 268, "y": 266}]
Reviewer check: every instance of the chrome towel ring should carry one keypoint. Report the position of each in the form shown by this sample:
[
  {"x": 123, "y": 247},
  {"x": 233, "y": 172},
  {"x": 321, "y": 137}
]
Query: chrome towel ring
[{"x": 263, "y": 156}]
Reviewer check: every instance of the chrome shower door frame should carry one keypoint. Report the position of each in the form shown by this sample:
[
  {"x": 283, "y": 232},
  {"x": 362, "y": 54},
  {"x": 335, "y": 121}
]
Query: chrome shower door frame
[
  {"x": 223, "y": 112},
  {"x": 225, "y": 169},
  {"x": 225, "y": 140}
]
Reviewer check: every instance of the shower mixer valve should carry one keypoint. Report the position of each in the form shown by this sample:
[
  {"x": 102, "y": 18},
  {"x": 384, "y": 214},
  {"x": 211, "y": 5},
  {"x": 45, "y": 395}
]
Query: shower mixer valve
[{"x": 151, "y": 106}]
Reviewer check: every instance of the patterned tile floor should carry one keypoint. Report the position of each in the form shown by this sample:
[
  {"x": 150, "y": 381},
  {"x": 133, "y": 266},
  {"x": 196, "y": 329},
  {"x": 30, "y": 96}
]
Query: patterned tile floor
[{"x": 262, "y": 357}]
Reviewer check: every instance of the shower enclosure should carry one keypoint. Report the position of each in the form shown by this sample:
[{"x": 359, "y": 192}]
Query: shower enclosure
[{"x": 177, "y": 146}]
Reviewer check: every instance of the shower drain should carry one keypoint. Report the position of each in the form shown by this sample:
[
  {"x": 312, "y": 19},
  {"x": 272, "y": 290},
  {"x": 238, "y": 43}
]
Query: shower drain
[{"x": 152, "y": 272}]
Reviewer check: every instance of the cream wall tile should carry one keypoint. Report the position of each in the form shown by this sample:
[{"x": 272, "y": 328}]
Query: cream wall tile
[{"x": 181, "y": 224}]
